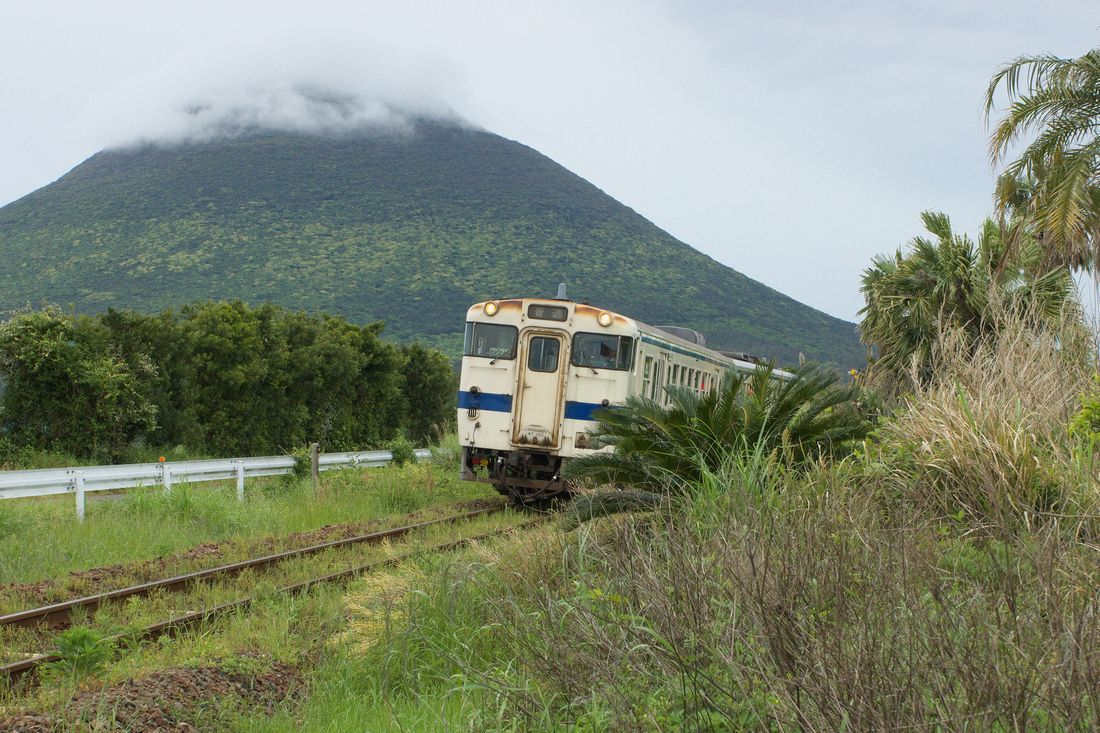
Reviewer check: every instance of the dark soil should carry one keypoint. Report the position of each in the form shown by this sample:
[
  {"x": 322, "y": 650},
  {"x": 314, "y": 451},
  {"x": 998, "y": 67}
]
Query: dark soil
[
  {"x": 184, "y": 699},
  {"x": 110, "y": 577}
]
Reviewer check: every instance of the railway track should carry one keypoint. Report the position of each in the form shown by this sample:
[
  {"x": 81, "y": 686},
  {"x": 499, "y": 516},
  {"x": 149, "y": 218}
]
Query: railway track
[{"x": 58, "y": 615}]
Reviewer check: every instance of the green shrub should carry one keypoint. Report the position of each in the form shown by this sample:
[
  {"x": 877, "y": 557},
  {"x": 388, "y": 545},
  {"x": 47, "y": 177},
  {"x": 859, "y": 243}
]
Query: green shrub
[
  {"x": 65, "y": 389},
  {"x": 83, "y": 652},
  {"x": 402, "y": 449},
  {"x": 663, "y": 451},
  {"x": 303, "y": 463}
]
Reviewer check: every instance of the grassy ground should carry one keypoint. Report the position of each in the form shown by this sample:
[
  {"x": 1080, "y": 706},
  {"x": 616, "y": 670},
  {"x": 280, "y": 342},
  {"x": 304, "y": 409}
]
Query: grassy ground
[
  {"x": 40, "y": 538},
  {"x": 304, "y": 631},
  {"x": 134, "y": 613}
]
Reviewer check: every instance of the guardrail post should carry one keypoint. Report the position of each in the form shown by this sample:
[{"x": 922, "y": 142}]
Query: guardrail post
[
  {"x": 166, "y": 477},
  {"x": 78, "y": 485},
  {"x": 315, "y": 465},
  {"x": 240, "y": 480}
]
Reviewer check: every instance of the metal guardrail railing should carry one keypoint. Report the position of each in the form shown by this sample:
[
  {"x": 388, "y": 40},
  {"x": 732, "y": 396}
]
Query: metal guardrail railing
[{"x": 81, "y": 480}]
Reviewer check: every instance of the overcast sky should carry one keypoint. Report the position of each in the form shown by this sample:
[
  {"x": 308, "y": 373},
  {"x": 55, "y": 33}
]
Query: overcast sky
[{"x": 791, "y": 142}]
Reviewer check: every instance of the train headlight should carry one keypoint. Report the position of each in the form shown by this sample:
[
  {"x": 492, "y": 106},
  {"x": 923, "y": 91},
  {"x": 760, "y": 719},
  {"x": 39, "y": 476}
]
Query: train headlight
[
  {"x": 604, "y": 319},
  {"x": 491, "y": 308}
]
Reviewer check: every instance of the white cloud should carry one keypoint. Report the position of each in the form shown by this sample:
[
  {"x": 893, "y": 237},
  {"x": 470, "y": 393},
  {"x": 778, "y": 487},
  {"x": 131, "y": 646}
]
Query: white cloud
[{"x": 329, "y": 86}]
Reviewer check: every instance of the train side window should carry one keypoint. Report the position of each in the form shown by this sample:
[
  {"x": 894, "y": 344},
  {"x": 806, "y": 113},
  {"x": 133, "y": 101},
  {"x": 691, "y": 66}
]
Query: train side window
[
  {"x": 490, "y": 340},
  {"x": 542, "y": 354},
  {"x": 647, "y": 376},
  {"x": 601, "y": 351}
]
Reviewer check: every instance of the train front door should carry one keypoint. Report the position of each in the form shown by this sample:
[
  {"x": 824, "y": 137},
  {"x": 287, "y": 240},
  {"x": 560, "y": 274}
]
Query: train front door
[{"x": 540, "y": 388}]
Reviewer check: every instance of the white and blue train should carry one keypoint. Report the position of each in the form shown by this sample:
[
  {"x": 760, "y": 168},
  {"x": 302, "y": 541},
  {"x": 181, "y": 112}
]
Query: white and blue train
[{"x": 535, "y": 369}]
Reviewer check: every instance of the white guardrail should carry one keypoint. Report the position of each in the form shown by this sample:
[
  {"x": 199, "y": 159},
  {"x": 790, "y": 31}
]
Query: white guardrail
[{"x": 81, "y": 480}]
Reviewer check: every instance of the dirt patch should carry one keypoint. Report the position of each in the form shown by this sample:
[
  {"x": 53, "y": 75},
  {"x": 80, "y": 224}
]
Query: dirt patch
[
  {"x": 111, "y": 577},
  {"x": 184, "y": 699}
]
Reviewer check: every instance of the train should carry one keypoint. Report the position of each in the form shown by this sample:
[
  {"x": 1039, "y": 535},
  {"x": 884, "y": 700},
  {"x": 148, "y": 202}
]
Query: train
[{"x": 535, "y": 370}]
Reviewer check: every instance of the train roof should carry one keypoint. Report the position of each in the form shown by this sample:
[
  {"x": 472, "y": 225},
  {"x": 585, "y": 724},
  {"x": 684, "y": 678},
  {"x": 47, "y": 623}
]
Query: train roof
[
  {"x": 652, "y": 334},
  {"x": 672, "y": 342}
]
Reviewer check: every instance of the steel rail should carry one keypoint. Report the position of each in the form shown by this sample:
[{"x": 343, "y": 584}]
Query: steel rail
[
  {"x": 57, "y": 615},
  {"x": 14, "y": 671}
]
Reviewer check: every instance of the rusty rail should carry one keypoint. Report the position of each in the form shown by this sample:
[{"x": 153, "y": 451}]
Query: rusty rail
[
  {"x": 15, "y": 671},
  {"x": 57, "y": 615}
]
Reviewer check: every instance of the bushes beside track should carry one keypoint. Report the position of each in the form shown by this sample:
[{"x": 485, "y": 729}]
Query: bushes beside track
[{"x": 215, "y": 378}]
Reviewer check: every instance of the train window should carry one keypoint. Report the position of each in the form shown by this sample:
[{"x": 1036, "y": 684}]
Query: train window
[
  {"x": 548, "y": 312},
  {"x": 601, "y": 351},
  {"x": 647, "y": 377},
  {"x": 542, "y": 354},
  {"x": 490, "y": 340}
]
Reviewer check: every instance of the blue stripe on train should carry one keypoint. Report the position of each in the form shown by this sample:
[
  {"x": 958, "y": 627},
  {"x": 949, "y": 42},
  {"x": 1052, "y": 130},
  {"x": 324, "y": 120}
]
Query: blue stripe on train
[
  {"x": 485, "y": 401},
  {"x": 503, "y": 403},
  {"x": 581, "y": 410}
]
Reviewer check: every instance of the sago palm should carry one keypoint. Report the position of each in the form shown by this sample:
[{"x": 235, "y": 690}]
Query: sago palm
[
  {"x": 1055, "y": 102},
  {"x": 662, "y": 451}
]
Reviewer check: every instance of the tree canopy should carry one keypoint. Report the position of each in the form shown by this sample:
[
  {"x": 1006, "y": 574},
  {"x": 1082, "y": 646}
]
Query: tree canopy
[
  {"x": 1054, "y": 103},
  {"x": 949, "y": 280},
  {"x": 220, "y": 378}
]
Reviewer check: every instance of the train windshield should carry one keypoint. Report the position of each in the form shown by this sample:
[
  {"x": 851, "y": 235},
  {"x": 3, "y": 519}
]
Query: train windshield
[
  {"x": 601, "y": 351},
  {"x": 490, "y": 340}
]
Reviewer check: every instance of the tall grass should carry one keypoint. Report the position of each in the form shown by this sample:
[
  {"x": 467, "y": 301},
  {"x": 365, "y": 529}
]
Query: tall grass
[
  {"x": 987, "y": 439},
  {"x": 805, "y": 607}
]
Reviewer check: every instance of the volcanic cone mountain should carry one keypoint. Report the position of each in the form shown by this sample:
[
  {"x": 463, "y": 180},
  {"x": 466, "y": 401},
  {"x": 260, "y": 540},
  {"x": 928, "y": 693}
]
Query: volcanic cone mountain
[{"x": 404, "y": 227}]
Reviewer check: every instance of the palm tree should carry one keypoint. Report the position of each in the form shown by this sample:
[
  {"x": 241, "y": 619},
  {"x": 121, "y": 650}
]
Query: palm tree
[
  {"x": 664, "y": 451},
  {"x": 1058, "y": 101},
  {"x": 949, "y": 280}
]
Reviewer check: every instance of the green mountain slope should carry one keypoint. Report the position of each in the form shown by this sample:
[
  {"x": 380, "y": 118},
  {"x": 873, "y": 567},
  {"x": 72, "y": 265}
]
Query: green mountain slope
[{"x": 409, "y": 229}]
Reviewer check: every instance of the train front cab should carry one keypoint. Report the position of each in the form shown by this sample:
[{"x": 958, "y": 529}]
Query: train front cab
[{"x": 532, "y": 375}]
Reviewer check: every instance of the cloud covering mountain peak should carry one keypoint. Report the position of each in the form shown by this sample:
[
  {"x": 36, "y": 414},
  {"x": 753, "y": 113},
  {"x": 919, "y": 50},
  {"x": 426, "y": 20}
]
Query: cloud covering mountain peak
[{"x": 332, "y": 88}]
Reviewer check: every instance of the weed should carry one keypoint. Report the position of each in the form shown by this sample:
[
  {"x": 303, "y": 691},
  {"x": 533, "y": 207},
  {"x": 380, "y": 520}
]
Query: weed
[
  {"x": 83, "y": 652},
  {"x": 402, "y": 450},
  {"x": 303, "y": 462},
  {"x": 184, "y": 504},
  {"x": 447, "y": 453}
]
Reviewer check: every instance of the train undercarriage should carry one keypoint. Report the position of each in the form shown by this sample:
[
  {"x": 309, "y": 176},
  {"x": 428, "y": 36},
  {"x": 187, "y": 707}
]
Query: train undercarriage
[{"x": 525, "y": 477}]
